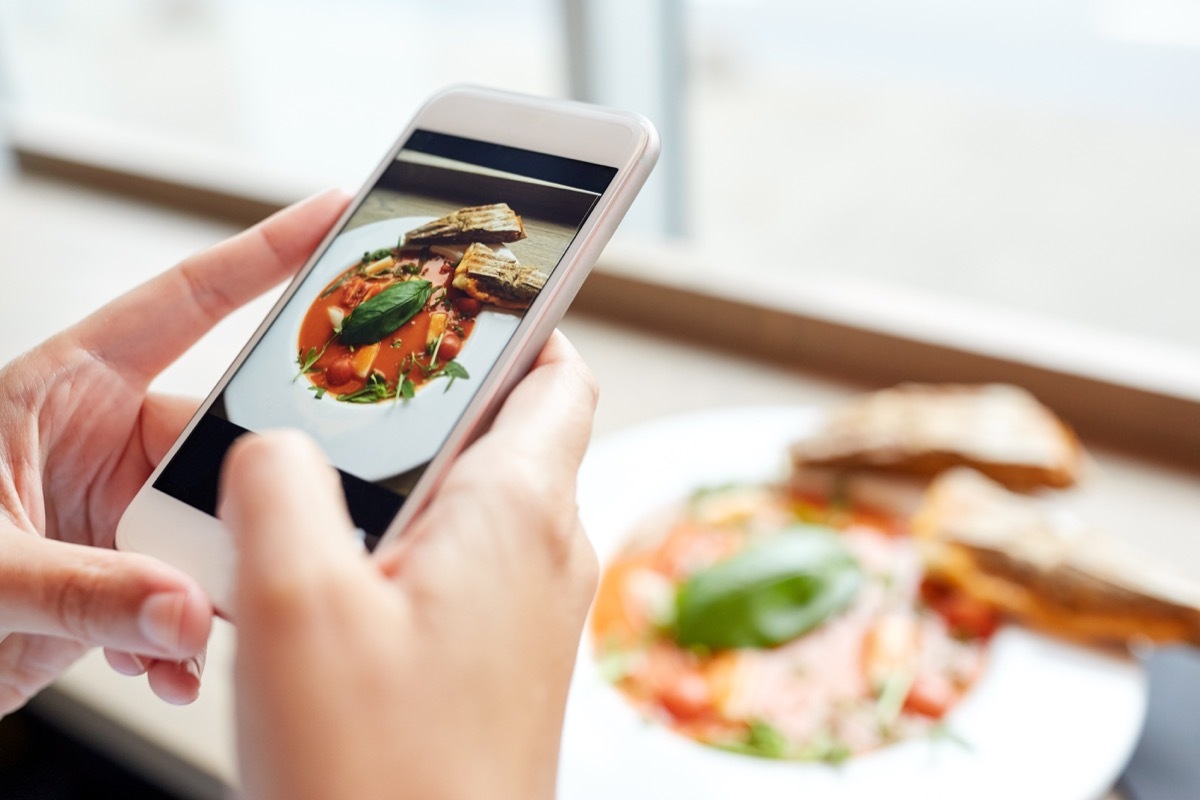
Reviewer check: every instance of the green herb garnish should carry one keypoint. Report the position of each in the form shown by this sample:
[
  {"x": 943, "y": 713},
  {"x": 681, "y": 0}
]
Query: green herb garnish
[
  {"x": 376, "y": 389},
  {"x": 826, "y": 748},
  {"x": 454, "y": 370},
  {"x": 761, "y": 739},
  {"x": 375, "y": 255},
  {"x": 942, "y": 732},
  {"x": 307, "y": 360},
  {"x": 385, "y": 312}
]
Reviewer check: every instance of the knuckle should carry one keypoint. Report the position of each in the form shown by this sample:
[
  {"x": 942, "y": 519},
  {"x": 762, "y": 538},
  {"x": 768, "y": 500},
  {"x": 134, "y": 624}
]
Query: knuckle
[
  {"x": 211, "y": 300},
  {"x": 76, "y": 601}
]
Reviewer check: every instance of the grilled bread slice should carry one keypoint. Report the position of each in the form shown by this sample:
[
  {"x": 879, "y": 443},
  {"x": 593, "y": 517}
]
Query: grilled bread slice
[
  {"x": 494, "y": 224},
  {"x": 921, "y": 429},
  {"x": 1046, "y": 569}
]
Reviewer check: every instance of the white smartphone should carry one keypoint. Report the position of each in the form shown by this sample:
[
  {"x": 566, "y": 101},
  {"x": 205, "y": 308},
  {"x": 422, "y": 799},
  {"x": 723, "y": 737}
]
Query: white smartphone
[{"x": 411, "y": 322}]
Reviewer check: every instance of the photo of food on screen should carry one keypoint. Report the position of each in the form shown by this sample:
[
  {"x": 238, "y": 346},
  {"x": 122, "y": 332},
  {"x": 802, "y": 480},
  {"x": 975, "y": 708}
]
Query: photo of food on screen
[{"x": 381, "y": 347}]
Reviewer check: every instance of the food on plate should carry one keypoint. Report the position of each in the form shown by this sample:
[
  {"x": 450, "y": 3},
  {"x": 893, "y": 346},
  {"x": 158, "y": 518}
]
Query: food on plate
[
  {"x": 919, "y": 429},
  {"x": 496, "y": 277},
  {"x": 778, "y": 623},
  {"x": 386, "y": 326},
  {"x": 495, "y": 223},
  {"x": 398, "y": 318},
  {"x": 1048, "y": 570}
]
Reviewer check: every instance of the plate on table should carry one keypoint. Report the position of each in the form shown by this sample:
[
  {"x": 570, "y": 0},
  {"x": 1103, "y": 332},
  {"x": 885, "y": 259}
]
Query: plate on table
[
  {"x": 373, "y": 441},
  {"x": 1046, "y": 719}
]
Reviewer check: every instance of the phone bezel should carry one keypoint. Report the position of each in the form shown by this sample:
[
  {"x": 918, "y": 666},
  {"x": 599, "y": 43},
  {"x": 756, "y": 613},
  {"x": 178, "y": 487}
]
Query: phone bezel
[{"x": 160, "y": 525}]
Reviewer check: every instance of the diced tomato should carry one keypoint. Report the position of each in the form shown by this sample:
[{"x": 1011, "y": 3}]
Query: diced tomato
[
  {"x": 930, "y": 696},
  {"x": 687, "y": 697},
  {"x": 964, "y": 615}
]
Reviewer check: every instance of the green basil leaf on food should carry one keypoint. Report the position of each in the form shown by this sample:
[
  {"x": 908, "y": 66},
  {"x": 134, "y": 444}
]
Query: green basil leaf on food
[
  {"x": 371, "y": 321},
  {"x": 771, "y": 592}
]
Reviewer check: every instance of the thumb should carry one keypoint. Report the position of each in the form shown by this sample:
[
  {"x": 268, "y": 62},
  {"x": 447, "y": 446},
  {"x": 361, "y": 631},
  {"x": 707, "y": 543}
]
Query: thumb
[
  {"x": 124, "y": 601},
  {"x": 284, "y": 507}
]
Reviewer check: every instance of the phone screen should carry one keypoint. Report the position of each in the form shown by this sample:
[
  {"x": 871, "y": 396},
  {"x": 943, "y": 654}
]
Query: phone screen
[{"x": 387, "y": 339}]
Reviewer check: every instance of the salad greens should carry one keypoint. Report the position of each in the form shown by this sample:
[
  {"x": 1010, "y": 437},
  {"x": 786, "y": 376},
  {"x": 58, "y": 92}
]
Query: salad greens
[{"x": 773, "y": 591}]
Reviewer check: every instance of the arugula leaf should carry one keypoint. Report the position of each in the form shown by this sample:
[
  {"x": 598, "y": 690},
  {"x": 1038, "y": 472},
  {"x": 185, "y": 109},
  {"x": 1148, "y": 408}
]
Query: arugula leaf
[
  {"x": 376, "y": 389},
  {"x": 455, "y": 370},
  {"x": 306, "y": 361}
]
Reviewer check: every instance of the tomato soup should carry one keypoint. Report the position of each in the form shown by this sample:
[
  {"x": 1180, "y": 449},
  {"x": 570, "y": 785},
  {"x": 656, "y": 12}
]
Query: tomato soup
[{"x": 381, "y": 362}]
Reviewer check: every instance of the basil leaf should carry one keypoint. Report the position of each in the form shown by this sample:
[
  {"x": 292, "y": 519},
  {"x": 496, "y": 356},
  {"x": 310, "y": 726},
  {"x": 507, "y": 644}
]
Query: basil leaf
[
  {"x": 771, "y": 592},
  {"x": 385, "y": 312}
]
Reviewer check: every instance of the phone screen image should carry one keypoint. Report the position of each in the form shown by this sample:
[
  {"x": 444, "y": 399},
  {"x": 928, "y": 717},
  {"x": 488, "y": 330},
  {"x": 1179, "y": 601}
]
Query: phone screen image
[{"x": 388, "y": 337}]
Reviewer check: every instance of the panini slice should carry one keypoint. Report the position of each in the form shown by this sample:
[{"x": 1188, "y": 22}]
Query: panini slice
[
  {"x": 919, "y": 429},
  {"x": 495, "y": 223},
  {"x": 497, "y": 278},
  {"x": 1047, "y": 570}
]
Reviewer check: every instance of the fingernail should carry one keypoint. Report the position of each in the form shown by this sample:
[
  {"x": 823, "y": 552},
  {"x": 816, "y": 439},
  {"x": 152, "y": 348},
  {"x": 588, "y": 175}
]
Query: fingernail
[
  {"x": 141, "y": 663},
  {"x": 194, "y": 667},
  {"x": 160, "y": 618}
]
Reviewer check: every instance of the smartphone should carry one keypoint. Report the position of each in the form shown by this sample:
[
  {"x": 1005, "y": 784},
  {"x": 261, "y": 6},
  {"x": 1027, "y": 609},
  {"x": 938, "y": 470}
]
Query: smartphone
[{"x": 414, "y": 318}]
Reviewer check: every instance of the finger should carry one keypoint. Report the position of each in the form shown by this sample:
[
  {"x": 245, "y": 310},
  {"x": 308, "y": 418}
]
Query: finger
[
  {"x": 283, "y": 504},
  {"x": 163, "y": 418},
  {"x": 126, "y": 663},
  {"x": 123, "y": 601},
  {"x": 177, "y": 682},
  {"x": 143, "y": 331},
  {"x": 528, "y": 459},
  {"x": 548, "y": 416}
]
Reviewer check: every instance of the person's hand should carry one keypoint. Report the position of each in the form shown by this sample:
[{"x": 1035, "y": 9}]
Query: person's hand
[
  {"x": 79, "y": 435},
  {"x": 440, "y": 666}
]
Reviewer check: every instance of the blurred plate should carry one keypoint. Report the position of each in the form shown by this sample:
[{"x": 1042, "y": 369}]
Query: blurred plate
[
  {"x": 1046, "y": 720},
  {"x": 373, "y": 441}
]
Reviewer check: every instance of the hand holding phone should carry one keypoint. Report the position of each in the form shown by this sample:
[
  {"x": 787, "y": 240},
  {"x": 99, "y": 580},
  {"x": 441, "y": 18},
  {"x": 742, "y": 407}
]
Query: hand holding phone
[
  {"x": 395, "y": 344},
  {"x": 80, "y": 435},
  {"x": 442, "y": 663}
]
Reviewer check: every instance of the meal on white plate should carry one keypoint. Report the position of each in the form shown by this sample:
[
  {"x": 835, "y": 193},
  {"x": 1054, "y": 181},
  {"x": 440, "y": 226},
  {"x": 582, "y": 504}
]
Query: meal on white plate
[
  {"x": 771, "y": 622},
  {"x": 801, "y": 620},
  {"x": 398, "y": 318}
]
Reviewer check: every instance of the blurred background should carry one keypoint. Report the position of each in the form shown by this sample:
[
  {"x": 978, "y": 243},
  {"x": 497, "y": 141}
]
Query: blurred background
[
  {"x": 1039, "y": 157},
  {"x": 1014, "y": 181}
]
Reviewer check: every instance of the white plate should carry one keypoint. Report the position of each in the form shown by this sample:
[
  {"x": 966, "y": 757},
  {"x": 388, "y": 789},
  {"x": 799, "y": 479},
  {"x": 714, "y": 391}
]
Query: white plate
[
  {"x": 1046, "y": 720},
  {"x": 373, "y": 441}
]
